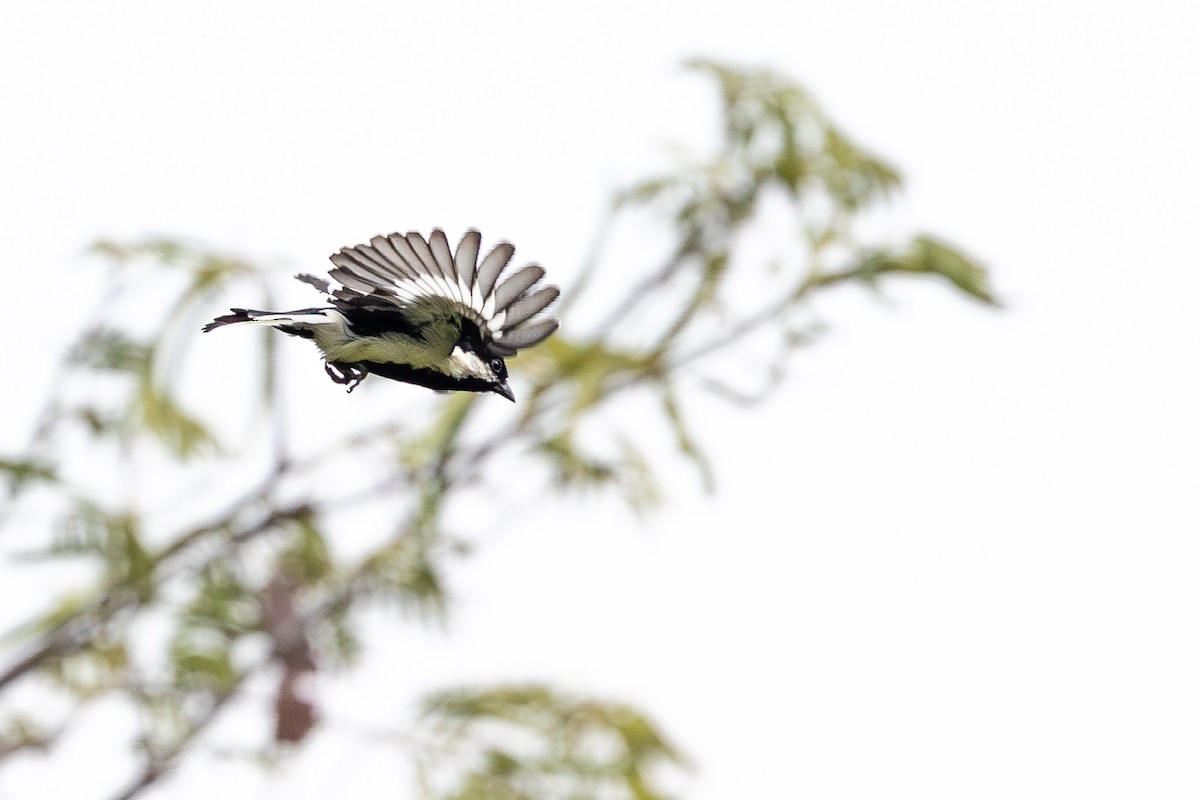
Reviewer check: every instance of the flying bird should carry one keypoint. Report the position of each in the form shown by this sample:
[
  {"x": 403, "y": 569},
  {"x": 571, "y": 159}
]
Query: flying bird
[{"x": 408, "y": 309}]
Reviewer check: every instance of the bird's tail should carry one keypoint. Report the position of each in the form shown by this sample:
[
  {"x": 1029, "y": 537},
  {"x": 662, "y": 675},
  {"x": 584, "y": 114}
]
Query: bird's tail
[{"x": 288, "y": 321}]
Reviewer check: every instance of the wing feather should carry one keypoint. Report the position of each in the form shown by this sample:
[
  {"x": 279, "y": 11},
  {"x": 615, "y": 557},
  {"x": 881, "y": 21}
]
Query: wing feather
[
  {"x": 351, "y": 261},
  {"x": 466, "y": 257},
  {"x": 431, "y": 286},
  {"x": 491, "y": 267},
  {"x": 516, "y": 284},
  {"x": 423, "y": 275},
  {"x": 370, "y": 278},
  {"x": 419, "y": 246},
  {"x": 369, "y": 255},
  {"x": 351, "y": 281},
  {"x": 320, "y": 284},
  {"x": 408, "y": 259},
  {"x": 527, "y": 306},
  {"x": 445, "y": 283},
  {"x": 384, "y": 247},
  {"x": 409, "y": 280},
  {"x": 529, "y": 334},
  {"x": 445, "y": 261}
]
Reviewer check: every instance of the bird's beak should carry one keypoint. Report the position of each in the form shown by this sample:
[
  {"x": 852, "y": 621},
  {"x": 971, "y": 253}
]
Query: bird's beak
[{"x": 502, "y": 389}]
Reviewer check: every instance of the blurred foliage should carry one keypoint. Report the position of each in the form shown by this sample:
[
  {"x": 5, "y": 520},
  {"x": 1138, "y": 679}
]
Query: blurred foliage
[
  {"x": 251, "y": 587},
  {"x": 534, "y": 742},
  {"x": 21, "y": 472}
]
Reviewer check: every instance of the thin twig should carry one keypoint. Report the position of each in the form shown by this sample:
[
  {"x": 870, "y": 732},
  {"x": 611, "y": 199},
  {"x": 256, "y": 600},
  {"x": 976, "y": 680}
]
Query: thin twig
[{"x": 160, "y": 766}]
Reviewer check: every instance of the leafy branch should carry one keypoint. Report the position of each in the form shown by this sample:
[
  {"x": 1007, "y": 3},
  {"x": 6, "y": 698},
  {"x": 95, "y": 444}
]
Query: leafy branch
[{"x": 255, "y": 589}]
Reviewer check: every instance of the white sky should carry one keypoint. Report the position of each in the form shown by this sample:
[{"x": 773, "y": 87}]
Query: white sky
[{"x": 955, "y": 557}]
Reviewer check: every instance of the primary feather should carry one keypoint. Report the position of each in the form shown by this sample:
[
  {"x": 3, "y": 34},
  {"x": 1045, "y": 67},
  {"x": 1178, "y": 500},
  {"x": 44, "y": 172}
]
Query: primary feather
[{"x": 409, "y": 309}]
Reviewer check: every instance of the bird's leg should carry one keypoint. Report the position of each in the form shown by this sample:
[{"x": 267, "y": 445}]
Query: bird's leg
[
  {"x": 356, "y": 377},
  {"x": 335, "y": 375},
  {"x": 346, "y": 375}
]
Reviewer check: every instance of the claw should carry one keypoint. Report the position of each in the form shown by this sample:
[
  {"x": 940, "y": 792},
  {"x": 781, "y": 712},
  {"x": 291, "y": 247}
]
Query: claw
[{"x": 346, "y": 375}]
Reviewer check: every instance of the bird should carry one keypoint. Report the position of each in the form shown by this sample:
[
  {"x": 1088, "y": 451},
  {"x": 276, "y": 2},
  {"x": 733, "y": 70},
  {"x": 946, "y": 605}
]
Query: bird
[{"x": 406, "y": 308}]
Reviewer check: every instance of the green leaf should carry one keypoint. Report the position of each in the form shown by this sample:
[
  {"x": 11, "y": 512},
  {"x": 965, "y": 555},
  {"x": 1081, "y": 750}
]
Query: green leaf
[
  {"x": 23, "y": 472},
  {"x": 202, "y": 664},
  {"x": 223, "y": 605},
  {"x": 113, "y": 538},
  {"x": 161, "y": 416},
  {"x": 344, "y": 645},
  {"x": 853, "y": 177},
  {"x": 588, "y": 369},
  {"x": 403, "y": 571},
  {"x": 223, "y": 610},
  {"x": 307, "y": 557},
  {"x": 573, "y": 469},
  {"x": 107, "y": 349},
  {"x": 100, "y": 666},
  {"x": 628, "y": 473},
  {"x": 21, "y": 732},
  {"x": 922, "y": 256},
  {"x": 436, "y": 445},
  {"x": 532, "y": 741},
  {"x": 932, "y": 256}
]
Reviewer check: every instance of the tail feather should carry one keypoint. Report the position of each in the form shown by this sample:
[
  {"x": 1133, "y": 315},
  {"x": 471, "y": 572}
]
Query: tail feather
[{"x": 280, "y": 319}]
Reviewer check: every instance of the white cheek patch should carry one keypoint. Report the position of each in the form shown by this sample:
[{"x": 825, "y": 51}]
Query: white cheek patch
[{"x": 464, "y": 363}]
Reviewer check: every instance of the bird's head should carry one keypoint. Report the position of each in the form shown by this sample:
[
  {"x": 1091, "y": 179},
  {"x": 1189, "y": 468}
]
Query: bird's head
[{"x": 480, "y": 371}]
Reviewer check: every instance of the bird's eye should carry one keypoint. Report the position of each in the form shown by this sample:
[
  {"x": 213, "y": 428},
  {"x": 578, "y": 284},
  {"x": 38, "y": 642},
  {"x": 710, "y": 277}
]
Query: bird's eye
[{"x": 496, "y": 365}]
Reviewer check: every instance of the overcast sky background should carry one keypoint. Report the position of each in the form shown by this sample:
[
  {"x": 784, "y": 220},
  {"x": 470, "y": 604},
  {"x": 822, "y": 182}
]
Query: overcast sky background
[{"x": 955, "y": 557}]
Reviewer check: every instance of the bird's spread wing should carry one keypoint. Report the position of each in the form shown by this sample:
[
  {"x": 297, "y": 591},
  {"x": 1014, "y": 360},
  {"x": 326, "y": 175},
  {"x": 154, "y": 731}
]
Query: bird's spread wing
[{"x": 430, "y": 285}]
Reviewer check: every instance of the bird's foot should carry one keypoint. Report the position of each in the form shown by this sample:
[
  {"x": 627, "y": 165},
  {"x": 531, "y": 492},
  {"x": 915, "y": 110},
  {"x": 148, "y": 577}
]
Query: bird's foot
[{"x": 346, "y": 375}]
